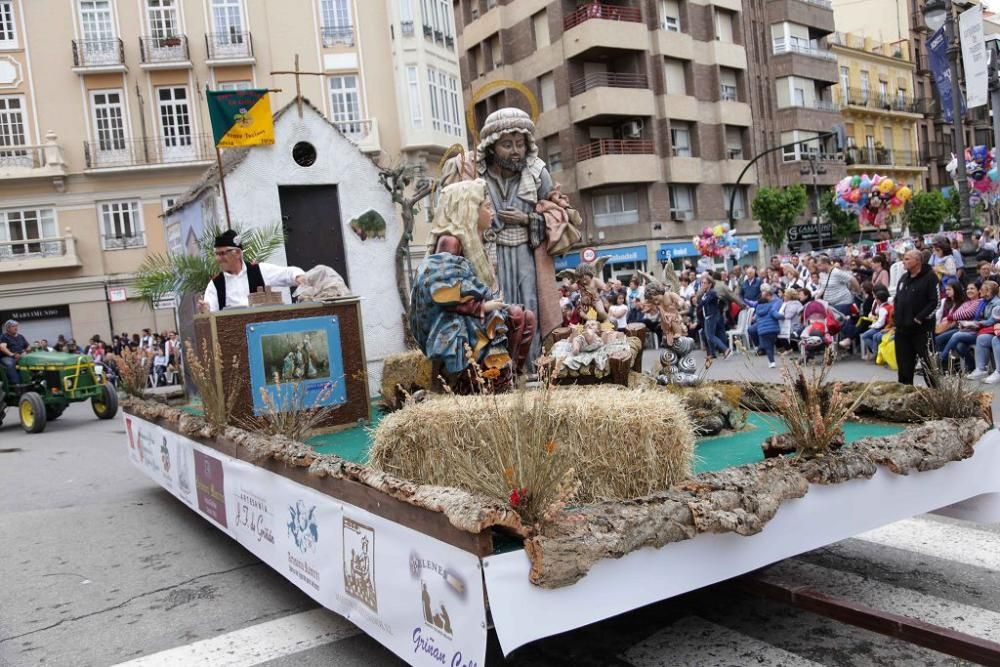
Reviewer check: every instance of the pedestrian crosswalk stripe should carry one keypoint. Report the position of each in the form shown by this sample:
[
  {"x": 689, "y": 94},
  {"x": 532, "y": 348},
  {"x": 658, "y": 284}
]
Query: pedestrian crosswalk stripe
[
  {"x": 965, "y": 618},
  {"x": 257, "y": 643},
  {"x": 695, "y": 641},
  {"x": 947, "y": 541}
]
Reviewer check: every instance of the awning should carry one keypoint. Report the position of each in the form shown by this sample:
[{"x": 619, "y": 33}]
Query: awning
[
  {"x": 570, "y": 261},
  {"x": 669, "y": 251},
  {"x": 630, "y": 254}
]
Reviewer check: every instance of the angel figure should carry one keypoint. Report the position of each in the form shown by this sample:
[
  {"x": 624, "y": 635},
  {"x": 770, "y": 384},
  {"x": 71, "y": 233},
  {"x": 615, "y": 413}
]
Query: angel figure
[
  {"x": 587, "y": 279},
  {"x": 662, "y": 296}
]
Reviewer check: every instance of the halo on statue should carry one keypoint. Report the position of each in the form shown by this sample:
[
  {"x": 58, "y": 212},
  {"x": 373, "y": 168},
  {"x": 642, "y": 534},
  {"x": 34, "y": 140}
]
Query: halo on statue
[{"x": 493, "y": 86}]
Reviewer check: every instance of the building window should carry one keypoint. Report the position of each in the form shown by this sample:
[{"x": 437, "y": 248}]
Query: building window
[
  {"x": 739, "y": 202},
  {"x": 234, "y": 85},
  {"x": 13, "y": 130},
  {"x": 618, "y": 208},
  {"x": 175, "y": 122},
  {"x": 555, "y": 160},
  {"x": 681, "y": 202},
  {"x": 406, "y": 17},
  {"x": 164, "y": 21},
  {"x": 109, "y": 127},
  {"x": 8, "y": 35},
  {"x": 727, "y": 79},
  {"x": 540, "y": 21},
  {"x": 445, "y": 108},
  {"x": 670, "y": 15},
  {"x": 438, "y": 22},
  {"x": 28, "y": 225},
  {"x": 734, "y": 143},
  {"x": 845, "y": 80},
  {"x": 121, "y": 225},
  {"x": 680, "y": 139},
  {"x": 337, "y": 28},
  {"x": 547, "y": 85},
  {"x": 96, "y": 22},
  {"x": 229, "y": 39},
  {"x": 674, "y": 76},
  {"x": 865, "y": 85},
  {"x": 549, "y": 147},
  {"x": 724, "y": 25},
  {"x": 345, "y": 104},
  {"x": 413, "y": 91}
]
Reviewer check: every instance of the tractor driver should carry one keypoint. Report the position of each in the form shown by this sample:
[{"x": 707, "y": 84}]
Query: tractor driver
[
  {"x": 12, "y": 346},
  {"x": 232, "y": 287}
]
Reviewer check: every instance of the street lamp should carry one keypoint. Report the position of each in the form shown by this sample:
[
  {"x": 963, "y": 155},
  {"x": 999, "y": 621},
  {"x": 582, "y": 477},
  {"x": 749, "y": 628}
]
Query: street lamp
[{"x": 938, "y": 13}]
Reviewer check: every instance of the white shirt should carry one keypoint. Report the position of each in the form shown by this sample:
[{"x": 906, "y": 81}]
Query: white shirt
[{"x": 238, "y": 285}]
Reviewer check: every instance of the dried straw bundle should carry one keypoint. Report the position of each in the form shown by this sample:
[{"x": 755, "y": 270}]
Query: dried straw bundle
[{"x": 622, "y": 443}]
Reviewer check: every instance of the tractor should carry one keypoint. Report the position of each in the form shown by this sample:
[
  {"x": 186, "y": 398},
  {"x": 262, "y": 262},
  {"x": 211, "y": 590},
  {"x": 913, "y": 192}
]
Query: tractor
[{"x": 49, "y": 382}]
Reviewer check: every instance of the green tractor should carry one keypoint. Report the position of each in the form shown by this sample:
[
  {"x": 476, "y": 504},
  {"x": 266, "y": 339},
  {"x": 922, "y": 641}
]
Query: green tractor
[{"x": 50, "y": 381}]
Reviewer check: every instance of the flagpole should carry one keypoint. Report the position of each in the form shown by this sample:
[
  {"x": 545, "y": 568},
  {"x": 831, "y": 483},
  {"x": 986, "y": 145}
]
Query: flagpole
[{"x": 222, "y": 183}]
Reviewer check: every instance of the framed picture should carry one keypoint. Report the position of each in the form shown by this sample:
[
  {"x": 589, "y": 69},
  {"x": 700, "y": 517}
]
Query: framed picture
[{"x": 296, "y": 364}]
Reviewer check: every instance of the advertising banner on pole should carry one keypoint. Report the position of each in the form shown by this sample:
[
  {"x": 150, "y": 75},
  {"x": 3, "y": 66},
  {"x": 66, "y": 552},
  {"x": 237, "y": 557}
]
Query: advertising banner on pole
[
  {"x": 970, "y": 28},
  {"x": 937, "y": 55},
  {"x": 419, "y": 597}
]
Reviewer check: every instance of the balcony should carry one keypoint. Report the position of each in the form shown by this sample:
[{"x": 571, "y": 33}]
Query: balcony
[
  {"x": 781, "y": 46},
  {"x": 119, "y": 154},
  {"x": 600, "y": 28},
  {"x": 809, "y": 60},
  {"x": 39, "y": 254},
  {"x": 338, "y": 36},
  {"x": 863, "y": 158},
  {"x": 25, "y": 162},
  {"x": 683, "y": 169},
  {"x": 123, "y": 241},
  {"x": 362, "y": 132},
  {"x": 856, "y": 98},
  {"x": 611, "y": 94},
  {"x": 935, "y": 150},
  {"x": 165, "y": 52},
  {"x": 614, "y": 161},
  {"x": 812, "y": 116},
  {"x": 92, "y": 56},
  {"x": 817, "y": 14},
  {"x": 229, "y": 48}
]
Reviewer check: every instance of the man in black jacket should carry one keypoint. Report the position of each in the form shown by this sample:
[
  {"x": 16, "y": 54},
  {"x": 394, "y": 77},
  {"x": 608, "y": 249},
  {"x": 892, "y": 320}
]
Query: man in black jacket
[{"x": 913, "y": 314}]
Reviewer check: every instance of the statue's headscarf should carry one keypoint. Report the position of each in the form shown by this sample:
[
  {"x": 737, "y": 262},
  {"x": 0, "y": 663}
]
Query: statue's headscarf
[{"x": 458, "y": 215}]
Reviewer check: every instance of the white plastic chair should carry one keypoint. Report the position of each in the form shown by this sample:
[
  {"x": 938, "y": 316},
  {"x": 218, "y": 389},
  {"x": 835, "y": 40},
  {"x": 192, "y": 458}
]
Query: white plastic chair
[{"x": 742, "y": 329}]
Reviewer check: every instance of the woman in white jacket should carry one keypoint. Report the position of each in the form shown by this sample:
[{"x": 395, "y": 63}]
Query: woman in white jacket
[{"x": 790, "y": 315}]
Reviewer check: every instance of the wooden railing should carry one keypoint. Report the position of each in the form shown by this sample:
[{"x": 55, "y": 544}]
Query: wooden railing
[
  {"x": 609, "y": 80},
  {"x": 614, "y": 147},
  {"x": 597, "y": 10}
]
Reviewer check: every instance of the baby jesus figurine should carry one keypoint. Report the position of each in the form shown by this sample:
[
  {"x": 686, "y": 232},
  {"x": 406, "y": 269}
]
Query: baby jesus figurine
[
  {"x": 669, "y": 305},
  {"x": 589, "y": 339},
  {"x": 592, "y": 346}
]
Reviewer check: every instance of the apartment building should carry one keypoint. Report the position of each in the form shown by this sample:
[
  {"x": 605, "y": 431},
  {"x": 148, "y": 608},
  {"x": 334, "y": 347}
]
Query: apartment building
[
  {"x": 644, "y": 111},
  {"x": 793, "y": 75},
  {"x": 875, "y": 93},
  {"x": 103, "y": 123}
]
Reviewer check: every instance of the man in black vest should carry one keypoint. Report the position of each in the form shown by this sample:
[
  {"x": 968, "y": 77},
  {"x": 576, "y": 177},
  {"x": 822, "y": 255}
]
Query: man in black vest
[{"x": 232, "y": 287}]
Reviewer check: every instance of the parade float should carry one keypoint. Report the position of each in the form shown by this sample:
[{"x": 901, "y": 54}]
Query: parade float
[{"x": 484, "y": 503}]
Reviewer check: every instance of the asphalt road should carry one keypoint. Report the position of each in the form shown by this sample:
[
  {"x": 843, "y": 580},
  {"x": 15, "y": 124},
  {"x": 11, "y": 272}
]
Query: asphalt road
[{"x": 99, "y": 566}]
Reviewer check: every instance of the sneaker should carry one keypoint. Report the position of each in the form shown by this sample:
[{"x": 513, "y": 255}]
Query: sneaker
[
  {"x": 771, "y": 364},
  {"x": 978, "y": 374},
  {"x": 993, "y": 378}
]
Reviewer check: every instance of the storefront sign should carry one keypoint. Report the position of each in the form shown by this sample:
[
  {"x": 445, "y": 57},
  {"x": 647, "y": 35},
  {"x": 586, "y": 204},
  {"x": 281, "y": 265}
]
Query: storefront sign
[
  {"x": 570, "y": 261},
  {"x": 810, "y": 232},
  {"x": 417, "y": 596},
  {"x": 29, "y": 314},
  {"x": 624, "y": 255}
]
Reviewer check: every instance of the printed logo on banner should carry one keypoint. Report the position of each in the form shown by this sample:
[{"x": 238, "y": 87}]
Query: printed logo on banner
[
  {"x": 148, "y": 451},
  {"x": 359, "y": 563},
  {"x": 166, "y": 464},
  {"x": 134, "y": 451},
  {"x": 440, "y": 589},
  {"x": 209, "y": 481},
  {"x": 253, "y": 515},
  {"x": 304, "y": 531},
  {"x": 183, "y": 471}
]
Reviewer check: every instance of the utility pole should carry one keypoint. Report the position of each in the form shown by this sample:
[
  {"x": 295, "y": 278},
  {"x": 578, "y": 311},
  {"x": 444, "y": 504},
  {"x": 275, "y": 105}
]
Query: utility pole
[{"x": 958, "y": 123}]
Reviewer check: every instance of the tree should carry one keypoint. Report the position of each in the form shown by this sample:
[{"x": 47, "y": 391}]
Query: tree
[
  {"x": 926, "y": 211},
  {"x": 844, "y": 224},
  {"x": 160, "y": 275},
  {"x": 776, "y": 210}
]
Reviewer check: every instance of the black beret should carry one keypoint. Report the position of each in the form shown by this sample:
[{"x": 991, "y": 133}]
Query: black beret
[{"x": 228, "y": 239}]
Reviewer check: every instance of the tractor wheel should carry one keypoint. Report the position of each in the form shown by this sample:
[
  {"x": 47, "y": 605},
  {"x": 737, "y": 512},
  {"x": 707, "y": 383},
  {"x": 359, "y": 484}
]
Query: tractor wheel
[
  {"x": 32, "y": 411},
  {"x": 54, "y": 412},
  {"x": 106, "y": 405}
]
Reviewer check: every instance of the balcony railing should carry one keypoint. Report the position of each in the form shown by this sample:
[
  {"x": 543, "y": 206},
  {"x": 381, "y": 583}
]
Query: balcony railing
[
  {"x": 614, "y": 147},
  {"x": 123, "y": 241},
  {"x": 926, "y": 105},
  {"x": 35, "y": 248},
  {"x": 608, "y": 80},
  {"x": 781, "y": 45},
  {"x": 22, "y": 157},
  {"x": 359, "y": 131},
  {"x": 815, "y": 105},
  {"x": 406, "y": 28},
  {"x": 935, "y": 150},
  {"x": 98, "y": 52},
  {"x": 886, "y": 157},
  {"x": 230, "y": 45},
  {"x": 171, "y": 49},
  {"x": 825, "y": 4},
  {"x": 597, "y": 10},
  {"x": 869, "y": 99},
  {"x": 338, "y": 36},
  {"x": 178, "y": 149}
]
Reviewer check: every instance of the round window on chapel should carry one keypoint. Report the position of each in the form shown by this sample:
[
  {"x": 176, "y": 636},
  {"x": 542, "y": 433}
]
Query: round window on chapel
[{"x": 304, "y": 154}]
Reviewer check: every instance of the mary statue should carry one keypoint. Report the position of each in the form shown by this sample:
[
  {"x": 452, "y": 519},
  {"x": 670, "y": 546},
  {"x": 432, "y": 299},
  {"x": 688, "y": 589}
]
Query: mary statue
[{"x": 456, "y": 314}]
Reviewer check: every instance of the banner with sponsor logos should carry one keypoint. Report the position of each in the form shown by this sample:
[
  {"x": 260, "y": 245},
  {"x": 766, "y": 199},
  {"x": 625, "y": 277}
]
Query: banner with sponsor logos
[{"x": 419, "y": 597}]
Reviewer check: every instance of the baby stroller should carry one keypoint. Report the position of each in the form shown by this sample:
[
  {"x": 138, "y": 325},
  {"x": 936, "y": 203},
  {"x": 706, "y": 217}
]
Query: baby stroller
[{"x": 819, "y": 334}]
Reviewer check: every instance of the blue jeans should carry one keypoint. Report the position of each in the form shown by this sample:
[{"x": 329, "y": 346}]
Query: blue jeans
[
  {"x": 752, "y": 334},
  {"x": 712, "y": 340},
  {"x": 961, "y": 342},
  {"x": 767, "y": 341},
  {"x": 941, "y": 340},
  {"x": 985, "y": 343},
  {"x": 10, "y": 368},
  {"x": 870, "y": 340}
]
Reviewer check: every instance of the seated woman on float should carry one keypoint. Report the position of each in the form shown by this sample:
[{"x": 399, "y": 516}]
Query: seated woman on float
[{"x": 456, "y": 305}]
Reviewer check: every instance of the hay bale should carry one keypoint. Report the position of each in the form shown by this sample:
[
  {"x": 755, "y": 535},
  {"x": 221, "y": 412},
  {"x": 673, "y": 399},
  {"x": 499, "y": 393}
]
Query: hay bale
[
  {"x": 409, "y": 370},
  {"x": 624, "y": 443}
]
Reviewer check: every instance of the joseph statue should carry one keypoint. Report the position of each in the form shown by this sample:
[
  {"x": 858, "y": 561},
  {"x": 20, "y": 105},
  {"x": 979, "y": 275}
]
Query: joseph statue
[{"x": 532, "y": 219}]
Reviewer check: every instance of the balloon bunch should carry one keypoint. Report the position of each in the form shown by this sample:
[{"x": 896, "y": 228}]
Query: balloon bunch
[
  {"x": 717, "y": 241},
  {"x": 984, "y": 179},
  {"x": 871, "y": 199}
]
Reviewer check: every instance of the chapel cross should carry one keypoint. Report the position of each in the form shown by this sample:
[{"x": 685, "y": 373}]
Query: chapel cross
[{"x": 298, "y": 86}]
